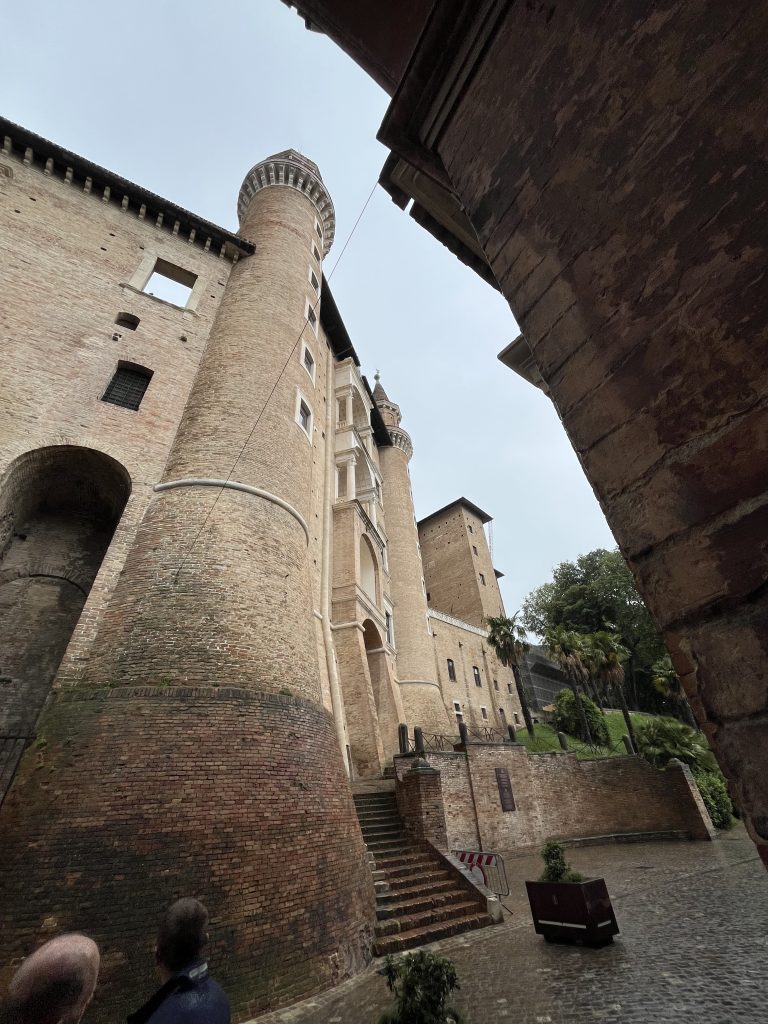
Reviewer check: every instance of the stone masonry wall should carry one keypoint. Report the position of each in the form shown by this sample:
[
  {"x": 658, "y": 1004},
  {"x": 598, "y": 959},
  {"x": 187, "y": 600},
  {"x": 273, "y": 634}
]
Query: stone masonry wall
[
  {"x": 134, "y": 797},
  {"x": 557, "y": 795},
  {"x": 613, "y": 169}
]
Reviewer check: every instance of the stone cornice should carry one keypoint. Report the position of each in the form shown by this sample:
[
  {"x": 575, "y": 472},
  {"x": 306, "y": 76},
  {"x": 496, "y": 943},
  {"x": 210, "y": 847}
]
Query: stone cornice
[
  {"x": 291, "y": 170},
  {"x": 401, "y": 439}
]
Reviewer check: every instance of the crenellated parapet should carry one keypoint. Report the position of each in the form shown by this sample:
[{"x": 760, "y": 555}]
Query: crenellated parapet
[
  {"x": 291, "y": 170},
  {"x": 402, "y": 440}
]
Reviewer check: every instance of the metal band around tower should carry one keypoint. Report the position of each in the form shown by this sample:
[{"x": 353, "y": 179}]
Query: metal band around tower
[{"x": 234, "y": 485}]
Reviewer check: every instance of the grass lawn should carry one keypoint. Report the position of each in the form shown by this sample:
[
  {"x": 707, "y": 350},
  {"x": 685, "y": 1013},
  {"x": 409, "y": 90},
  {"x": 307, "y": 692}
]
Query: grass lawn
[{"x": 546, "y": 738}]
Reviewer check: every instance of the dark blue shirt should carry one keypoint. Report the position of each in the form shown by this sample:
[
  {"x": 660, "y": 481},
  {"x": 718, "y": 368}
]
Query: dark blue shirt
[{"x": 190, "y": 996}]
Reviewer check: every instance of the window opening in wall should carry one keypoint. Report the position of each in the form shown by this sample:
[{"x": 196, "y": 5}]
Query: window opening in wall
[
  {"x": 517, "y": 718},
  {"x": 170, "y": 283},
  {"x": 495, "y": 684},
  {"x": 457, "y": 712},
  {"x": 470, "y": 528},
  {"x": 509, "y": 687},
  {"x": 341, "y": 485},
  {"x": 313, "y": 281},
  {"x": 309, "y": 363},
  {"x": 305, "y": 416},
  {"x": 319, "y": 231},
  {"x": 482, "y": 579},
  {"x": 128, "y": 321},
  {"x": 429, "y": 596},
  {"x": 474, "y": 550},
  {"x": 128, "y": 386},
  {"x": 502, "y": 716},
  {"x": 484, "y": 713},
  {"x": 312, "y": 318},
  {"x": 476, "y": 674},
  {"x": 315, "y": 252},
  {"x": 451, "y": 671},
  {"x": 388, "y": 624}
]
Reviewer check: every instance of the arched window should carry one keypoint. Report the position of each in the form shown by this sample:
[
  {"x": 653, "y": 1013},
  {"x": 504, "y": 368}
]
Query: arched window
[
  {"x": 451, "y": 671},
  {"x": 367, "y": 569}
]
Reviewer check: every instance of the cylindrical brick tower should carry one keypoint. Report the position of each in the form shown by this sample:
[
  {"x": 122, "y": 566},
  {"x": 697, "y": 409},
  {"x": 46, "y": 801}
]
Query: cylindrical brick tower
[
  {"x": 198, "y": 758},
  {"x": 422, "y": 699}
]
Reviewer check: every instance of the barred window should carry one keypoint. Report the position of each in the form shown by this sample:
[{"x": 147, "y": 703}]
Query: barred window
[{"x": 128, "y": 386}]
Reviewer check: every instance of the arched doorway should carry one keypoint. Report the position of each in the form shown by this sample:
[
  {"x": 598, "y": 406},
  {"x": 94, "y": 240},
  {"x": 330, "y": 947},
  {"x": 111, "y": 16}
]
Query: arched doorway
[{"x": 59, "y": 507}]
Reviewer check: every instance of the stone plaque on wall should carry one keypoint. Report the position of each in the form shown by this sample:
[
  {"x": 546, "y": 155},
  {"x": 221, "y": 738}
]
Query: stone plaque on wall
[{"x": 505, "y": 790}]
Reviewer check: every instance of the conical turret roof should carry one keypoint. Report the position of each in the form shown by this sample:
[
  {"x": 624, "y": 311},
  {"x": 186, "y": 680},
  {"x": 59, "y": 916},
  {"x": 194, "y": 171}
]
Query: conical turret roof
[{"x": 379, "y": 394}]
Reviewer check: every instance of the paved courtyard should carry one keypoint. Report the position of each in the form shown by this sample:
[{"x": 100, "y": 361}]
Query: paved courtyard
[{"x": 693, "y": 948}]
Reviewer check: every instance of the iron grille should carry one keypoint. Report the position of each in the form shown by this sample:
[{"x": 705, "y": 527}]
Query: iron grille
[{"x": 128, "y": 386}]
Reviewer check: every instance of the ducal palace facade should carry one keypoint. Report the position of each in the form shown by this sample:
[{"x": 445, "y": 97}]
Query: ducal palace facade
[{"x": 216, "y": 603}]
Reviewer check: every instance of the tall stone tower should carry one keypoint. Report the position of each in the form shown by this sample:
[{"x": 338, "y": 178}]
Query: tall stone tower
[
  {"x": 416, "y": 671},
  {"x": 196, "y": 757}
]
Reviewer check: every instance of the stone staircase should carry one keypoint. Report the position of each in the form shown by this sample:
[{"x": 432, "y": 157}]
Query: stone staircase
[{"x": 418, "y": 899}]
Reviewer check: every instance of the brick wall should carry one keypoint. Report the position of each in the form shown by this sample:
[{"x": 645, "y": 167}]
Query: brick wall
[
  {"x": 612, "y": 168},
  {"x": 134, "y": 797},
  {"x": 557, "y": 795}
]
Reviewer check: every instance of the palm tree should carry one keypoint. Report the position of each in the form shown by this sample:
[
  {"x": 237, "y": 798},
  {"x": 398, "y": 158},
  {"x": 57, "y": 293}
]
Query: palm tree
[
  {"x": 609, "y": 653},
  {"x": 568, "y": 649},
  {"x": 508, "y": 639},
  {"x": 667, "y": 682}
]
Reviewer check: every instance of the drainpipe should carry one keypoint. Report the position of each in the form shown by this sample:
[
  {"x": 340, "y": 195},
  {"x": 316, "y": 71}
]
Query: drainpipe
[{"x": 325, "y": 572}]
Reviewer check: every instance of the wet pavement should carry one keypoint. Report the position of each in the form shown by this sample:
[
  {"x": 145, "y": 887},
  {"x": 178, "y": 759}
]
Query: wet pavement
[{"x": 693, "y": 947}]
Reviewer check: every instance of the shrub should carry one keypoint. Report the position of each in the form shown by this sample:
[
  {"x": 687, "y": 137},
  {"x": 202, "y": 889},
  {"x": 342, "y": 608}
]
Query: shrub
[
  {"x": 714, "y": 793},
  {"x": 660, "y": 739},
  {"x": 555, "y": 865},
  {"x": 568, "y": 719},
  {"x": 421, "y": 983}
]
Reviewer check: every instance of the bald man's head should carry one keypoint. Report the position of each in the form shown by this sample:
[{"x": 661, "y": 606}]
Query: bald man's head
[{"x": 55, "y": 984}]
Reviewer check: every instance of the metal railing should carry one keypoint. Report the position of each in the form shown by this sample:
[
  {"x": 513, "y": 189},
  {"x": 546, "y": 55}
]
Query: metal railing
[{"x": 486, "y": 867}]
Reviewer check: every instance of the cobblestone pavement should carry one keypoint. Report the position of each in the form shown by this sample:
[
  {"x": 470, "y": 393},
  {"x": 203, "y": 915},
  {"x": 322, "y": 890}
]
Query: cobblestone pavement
[{"x": 693, "y": 948}]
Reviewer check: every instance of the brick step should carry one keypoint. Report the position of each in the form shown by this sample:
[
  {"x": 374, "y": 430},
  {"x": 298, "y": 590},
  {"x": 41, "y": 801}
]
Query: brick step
[
  {"x": 433, "y": 903},
  {"x": 404, "y": 878},
  {"x": 384, "y": 846},
  {"x": 407, "y": 892},
  {"x": 372, "y": 817},
  {"x": 384, "y": 829},
  {"x": 376, "y": 807},
  {"x": 408, "y": 859},
  {"x": 433, "y": 933},
  {"x": 384, "y": 795},
  {"x": 426, "y": 918}
]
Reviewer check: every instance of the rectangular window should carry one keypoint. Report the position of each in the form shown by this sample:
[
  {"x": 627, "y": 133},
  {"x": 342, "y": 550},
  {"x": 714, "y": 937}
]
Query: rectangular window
[
  {"x": 305, "y": 416},
  {"x": 509, "y": 687},
  {"x": 388, "y": 622},
  {"x": 470, "y": 528},
  {"x": 319, "y": 231},
  {"x": 128, "y": 386},
  {"x": 474, "y": 550},
  {"x": 315, "y": 252},
  {"x": 476, "y": 674},
  {"x": 341, "y": 482},
  {"x": 484, "y": 713},
  {"x": 312, "y": 317},
  {"x": 495, "y": 684},
  {"x": 170, "y": 283},
  {"x": 308, "y": 362},
  {"x": 502, "y": 716},
  {"x": 482, "y": 579},
  {"x": 457, "y": 712},
  {"x": 313, "y": 281},
  {"x": 451, "y": 671}
]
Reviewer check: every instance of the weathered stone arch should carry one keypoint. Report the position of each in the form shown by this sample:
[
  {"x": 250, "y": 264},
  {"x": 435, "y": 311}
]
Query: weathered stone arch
[{"x": 59, "y": 506}]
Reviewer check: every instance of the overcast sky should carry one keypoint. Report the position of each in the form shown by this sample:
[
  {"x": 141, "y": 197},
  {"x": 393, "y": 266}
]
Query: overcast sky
[{"x": 183, "y": 97}]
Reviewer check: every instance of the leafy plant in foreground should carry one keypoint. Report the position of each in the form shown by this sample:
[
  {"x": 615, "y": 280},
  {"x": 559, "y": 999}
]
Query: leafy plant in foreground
[
  {"x": 555, "y": 865},
  {"x": 421, "y": 983}
]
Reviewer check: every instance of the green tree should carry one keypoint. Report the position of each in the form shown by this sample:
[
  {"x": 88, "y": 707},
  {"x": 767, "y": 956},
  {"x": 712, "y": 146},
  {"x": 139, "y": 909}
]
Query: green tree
[
  {"x": 421, "y": 984},
  {"x": 595, "y": 594},
  {"x": 568, "y": 650},
  {"x": 508, "y": 639},
  {"x": 606, "y": 654},
  {"x": 667, "y": 683}
]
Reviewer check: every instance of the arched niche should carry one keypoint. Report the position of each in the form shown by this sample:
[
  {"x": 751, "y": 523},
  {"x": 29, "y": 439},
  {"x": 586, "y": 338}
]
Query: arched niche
[
  {"x": 59, "y": 507},
  {"x": 368, "y": 570}
]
